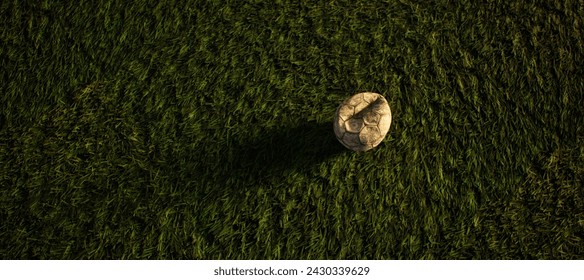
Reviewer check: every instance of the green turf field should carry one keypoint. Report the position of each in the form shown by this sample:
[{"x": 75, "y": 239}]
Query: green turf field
[{"x": 203, "y": 130}]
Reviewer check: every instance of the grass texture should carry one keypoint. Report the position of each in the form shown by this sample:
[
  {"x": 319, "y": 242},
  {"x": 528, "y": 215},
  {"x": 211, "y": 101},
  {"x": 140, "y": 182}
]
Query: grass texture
[{"x": 203, "y": 130}]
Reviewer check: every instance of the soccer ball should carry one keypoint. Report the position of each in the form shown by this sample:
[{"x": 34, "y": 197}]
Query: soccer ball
[{"x": 362, "y": 121}]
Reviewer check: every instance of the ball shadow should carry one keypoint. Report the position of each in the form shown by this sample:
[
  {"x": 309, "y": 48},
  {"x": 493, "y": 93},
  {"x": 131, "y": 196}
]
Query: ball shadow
[{"x": 242, "y": 165}]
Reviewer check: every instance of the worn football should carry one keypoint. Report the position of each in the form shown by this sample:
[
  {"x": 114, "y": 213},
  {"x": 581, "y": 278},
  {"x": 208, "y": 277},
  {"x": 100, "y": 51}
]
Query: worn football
[{"x": 362, "y": 121}]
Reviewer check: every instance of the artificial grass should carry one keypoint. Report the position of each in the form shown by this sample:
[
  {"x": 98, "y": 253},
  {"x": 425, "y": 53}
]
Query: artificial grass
[{"x": 203, "y": 130}]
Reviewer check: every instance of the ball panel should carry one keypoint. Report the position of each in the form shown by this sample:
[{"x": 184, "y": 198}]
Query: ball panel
[
  {"x": 354, "y": 125},
  {"x": 369, "y": 135},
  {"x": 380, "y": 106},
  {"x": 346, "y": 111},
  {"x": 370, "y": 97},
  {"x": 339, "y": 127},
  {"x": 371, "y": 117},
  {"x": 361, "y": 107},
  {"x": 355, "y": 99},
  {"x": 384, "y": 124},
  {"x": 351, "y": 140}
]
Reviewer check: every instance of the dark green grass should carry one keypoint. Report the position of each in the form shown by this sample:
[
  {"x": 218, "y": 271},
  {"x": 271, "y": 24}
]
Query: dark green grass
[{"x": 200, "y": 130}]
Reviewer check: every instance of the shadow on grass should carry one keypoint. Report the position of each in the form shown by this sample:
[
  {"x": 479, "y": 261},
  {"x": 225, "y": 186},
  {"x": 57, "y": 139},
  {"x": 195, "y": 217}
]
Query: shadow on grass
[{"x": 265, "y": 159}]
